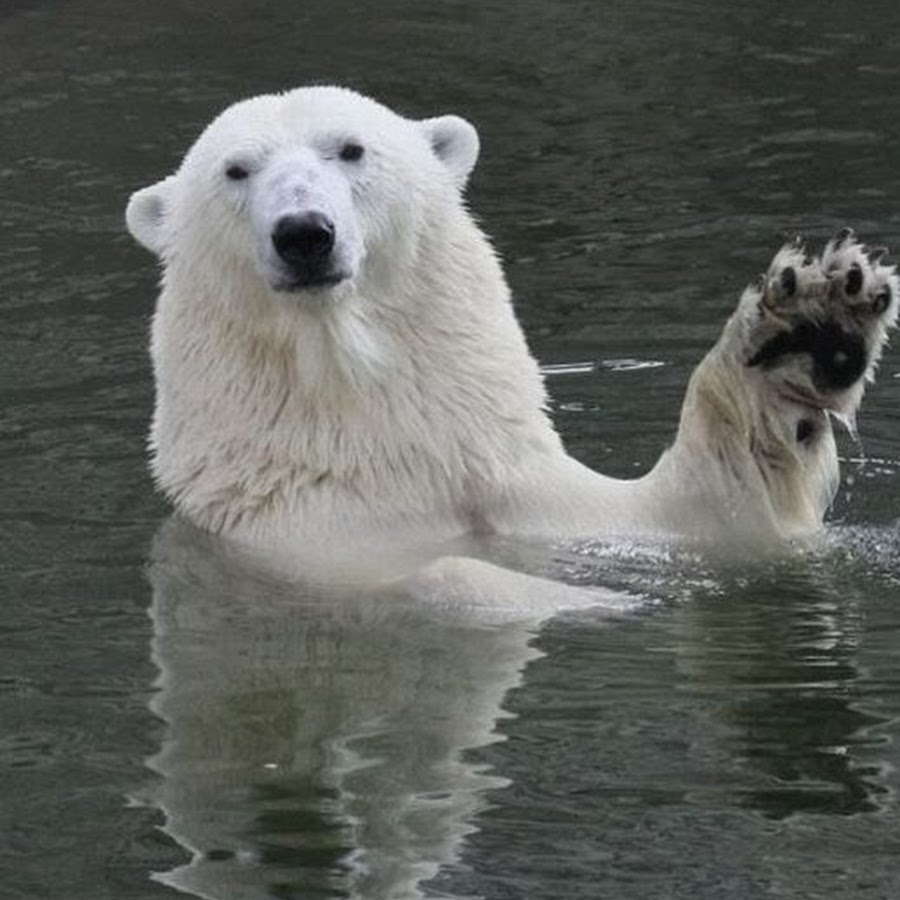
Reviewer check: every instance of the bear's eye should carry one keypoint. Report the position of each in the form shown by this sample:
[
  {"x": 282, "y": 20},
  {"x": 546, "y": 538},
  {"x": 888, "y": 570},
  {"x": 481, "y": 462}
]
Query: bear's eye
[
  {"x": 351, "y": 152},
  {"x": 236, "y": 172}
]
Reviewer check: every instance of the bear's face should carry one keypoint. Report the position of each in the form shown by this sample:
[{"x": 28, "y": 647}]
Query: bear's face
[{"x": 304, "y": 189}]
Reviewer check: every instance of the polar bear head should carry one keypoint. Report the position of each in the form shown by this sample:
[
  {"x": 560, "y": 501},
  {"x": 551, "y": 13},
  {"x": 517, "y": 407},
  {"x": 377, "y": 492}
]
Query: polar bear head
[
  {"x": 332, "y": 322},
  {"x": 307, "y": 189}
]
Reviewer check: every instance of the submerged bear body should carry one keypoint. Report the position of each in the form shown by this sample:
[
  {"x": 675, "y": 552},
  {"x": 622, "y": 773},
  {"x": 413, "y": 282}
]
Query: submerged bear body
[{"x": 337, "y": 356}]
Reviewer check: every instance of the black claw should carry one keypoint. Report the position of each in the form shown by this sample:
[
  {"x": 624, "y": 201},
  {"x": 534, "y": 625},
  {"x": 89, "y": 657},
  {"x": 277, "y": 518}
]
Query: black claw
[
  {"x": 805, "y": 430},
  {"x": 843, "y": 235},
  {"x": 881, "y": 301},
  {"x": 788, "y": 281},
  {"x": 854, "y": 281}
]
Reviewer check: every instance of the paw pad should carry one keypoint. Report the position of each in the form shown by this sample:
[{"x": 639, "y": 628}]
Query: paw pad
[
  {"x": 822, "y": 320},
  {"x": 882, "y": 300},
  {"x": 788, "y": 281},
  {"x": 854, "y": 282}
]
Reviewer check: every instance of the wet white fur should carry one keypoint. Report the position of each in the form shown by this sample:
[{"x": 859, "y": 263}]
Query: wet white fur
[{"x": 403, "y": 406}]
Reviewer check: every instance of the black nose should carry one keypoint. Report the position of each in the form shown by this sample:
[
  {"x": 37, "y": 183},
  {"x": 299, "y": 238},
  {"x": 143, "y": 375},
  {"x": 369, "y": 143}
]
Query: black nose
[{"x": 304, "y": 240}]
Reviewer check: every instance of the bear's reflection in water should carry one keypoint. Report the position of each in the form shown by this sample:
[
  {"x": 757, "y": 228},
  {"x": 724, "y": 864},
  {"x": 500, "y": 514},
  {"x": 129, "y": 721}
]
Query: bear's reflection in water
[{"x": 315, "y": 744}]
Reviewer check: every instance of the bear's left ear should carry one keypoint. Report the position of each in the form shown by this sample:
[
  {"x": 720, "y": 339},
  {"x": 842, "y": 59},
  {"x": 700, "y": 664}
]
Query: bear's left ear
[
  {"x": 146, "y": 214},
  {"x": 455, "y": 143}
]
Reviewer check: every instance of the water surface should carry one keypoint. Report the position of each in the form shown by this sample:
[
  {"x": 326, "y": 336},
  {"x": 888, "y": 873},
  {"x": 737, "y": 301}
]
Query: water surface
[{"x": 735, "y": 735}]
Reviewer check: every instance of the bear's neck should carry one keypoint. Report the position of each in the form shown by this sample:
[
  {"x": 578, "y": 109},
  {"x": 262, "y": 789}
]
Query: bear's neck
[{"x": 407, "y": 396}]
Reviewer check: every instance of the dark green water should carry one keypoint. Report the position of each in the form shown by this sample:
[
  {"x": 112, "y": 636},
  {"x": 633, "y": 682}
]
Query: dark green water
[{"x": 736, "y": 736}]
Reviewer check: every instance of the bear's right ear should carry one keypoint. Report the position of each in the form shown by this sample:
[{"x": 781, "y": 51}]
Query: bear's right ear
[
  {"x": 455, "y": 143},
  {"x": 146, "y": 213}
]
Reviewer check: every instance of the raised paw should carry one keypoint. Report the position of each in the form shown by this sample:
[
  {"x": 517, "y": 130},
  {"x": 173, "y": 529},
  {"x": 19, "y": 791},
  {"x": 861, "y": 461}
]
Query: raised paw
[{"x": 820, "y": 322}]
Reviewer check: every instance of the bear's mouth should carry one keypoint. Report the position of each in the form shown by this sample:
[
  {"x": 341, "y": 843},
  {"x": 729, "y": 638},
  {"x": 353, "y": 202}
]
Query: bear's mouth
[{"x": 296, "y": 283}]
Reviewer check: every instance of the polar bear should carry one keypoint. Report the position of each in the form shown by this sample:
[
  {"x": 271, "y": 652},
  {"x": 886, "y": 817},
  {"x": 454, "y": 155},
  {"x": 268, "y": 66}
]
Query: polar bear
[{"x": 338, "y": 363}]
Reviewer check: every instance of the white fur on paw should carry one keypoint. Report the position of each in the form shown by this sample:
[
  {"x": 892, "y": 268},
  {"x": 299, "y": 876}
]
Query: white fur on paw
[{"x": 793, "y": 273}]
